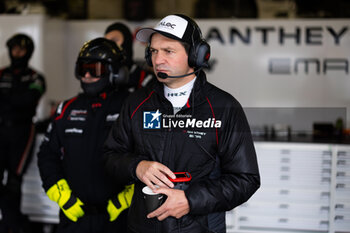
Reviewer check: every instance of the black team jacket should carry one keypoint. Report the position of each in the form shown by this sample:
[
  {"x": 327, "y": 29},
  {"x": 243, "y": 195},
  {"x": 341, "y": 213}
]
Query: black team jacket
[
  {"x": 72, "y": 148},
  {"x": 210, "y": 130}
]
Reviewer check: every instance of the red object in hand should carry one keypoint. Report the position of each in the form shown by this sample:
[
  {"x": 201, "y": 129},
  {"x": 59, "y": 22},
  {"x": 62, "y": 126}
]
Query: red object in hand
[{"x": 181, "y": 177}]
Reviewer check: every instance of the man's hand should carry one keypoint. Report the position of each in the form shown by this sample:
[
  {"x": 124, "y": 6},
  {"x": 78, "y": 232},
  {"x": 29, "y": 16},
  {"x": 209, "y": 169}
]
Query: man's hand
[
  {"x": 154, "y": 173},
  {"x": 176, "y": 205}
]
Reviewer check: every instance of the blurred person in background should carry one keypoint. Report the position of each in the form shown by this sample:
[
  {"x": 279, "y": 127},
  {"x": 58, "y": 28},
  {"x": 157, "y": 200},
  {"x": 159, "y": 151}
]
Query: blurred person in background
[
  {"x": 21, "y": 88},
  {"x": 141, "y": 74},
  {"x": 70, "y": 156}
]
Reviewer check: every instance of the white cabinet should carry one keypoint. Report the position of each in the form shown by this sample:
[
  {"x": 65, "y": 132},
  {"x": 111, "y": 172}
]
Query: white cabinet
[{"x": 304, "y": 188}]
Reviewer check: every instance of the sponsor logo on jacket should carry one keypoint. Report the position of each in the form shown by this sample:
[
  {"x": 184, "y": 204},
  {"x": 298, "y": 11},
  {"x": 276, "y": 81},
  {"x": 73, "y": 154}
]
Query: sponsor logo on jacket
[{"x": 78, "y": 115}]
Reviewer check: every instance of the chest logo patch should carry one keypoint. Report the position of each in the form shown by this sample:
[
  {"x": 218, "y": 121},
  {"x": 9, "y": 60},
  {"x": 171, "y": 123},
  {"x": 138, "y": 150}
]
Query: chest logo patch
[{"x": 77, "y": 115}]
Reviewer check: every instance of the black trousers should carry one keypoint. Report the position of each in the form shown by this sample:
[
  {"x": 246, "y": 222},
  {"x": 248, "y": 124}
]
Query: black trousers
[
  {"x": 93, "y": 223},
  {"x": 16, "y": 143}
]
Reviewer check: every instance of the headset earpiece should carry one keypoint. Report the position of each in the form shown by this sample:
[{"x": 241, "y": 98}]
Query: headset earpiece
[
  {"x": 122, "y": 77},
  {"x": 199, "y": 54},
  {"x": 148, "y": 56}
]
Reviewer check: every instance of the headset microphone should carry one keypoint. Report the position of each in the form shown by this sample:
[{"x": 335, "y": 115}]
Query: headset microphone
[{"x": 164, "y": 75}]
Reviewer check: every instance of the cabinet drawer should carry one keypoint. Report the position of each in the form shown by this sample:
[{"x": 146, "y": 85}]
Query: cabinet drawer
[
  {"x": 38, "y": 204},
  {"x": 342, "y": 223},
  {"x": 246, "y": 222},
  {"x": 284, "y": 209},
  {"x": 308, "y": 196},
  {"x": 342, "y": 193}
]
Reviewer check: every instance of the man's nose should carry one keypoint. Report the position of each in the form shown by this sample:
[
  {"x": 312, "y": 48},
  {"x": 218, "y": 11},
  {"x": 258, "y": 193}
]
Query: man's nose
[{"x": 87, "y": 74}]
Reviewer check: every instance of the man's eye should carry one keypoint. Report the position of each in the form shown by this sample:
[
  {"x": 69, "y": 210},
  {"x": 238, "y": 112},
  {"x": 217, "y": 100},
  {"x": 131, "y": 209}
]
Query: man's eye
[
  {"x": 168, "y": 51},
  {"x": 153, "y": 51}
]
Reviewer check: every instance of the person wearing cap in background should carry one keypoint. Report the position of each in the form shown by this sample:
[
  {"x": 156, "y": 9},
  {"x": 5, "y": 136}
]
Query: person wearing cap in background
[
  {"x": 70, "y": 157},
  {"x": 182, "y": 124},
  {"x": 21, "y": 88},
  {"x": 140, "y": 74}
]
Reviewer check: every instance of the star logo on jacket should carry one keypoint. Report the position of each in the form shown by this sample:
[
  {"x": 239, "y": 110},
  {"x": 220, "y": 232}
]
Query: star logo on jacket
[{"x": 151, "y": 119}]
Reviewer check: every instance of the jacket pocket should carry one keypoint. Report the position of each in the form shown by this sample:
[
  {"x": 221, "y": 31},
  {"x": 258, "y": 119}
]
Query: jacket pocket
[
  {"x": 186, "y": 221},
  {"x": 192, "y": 224}
]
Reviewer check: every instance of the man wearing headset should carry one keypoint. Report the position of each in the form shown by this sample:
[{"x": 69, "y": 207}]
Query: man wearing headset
[
  {"x": 70, "y": 158},
  {"x": 181, "y": 124}
]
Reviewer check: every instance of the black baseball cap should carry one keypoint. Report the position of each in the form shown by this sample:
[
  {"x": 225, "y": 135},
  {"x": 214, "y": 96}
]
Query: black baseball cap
[{"x": 177, "y": 27}]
